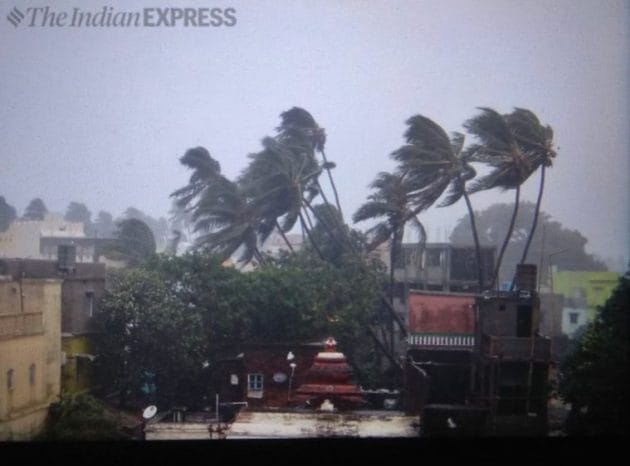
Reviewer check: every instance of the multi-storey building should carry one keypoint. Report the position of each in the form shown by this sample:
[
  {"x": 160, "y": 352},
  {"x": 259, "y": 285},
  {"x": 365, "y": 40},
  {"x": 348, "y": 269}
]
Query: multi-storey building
[
  {"x": 30, "y": 353},
  {"x": 82, "y": 285},
  {"x": 476, "y": 362}
]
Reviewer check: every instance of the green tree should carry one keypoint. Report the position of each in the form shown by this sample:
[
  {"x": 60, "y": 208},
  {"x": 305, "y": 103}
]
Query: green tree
[
  {"x": 7, "y": 214},
  {"x": 279, "y": 181},
  {"x": 513, "y": 146},
  {"x": 36, "y": 210},
  {"x": 146, "y": 330},
  {"x": 537, "y": 143},
  {"x": 223, "y": 217},
  {"x": 432, "y": 164},
  {"x": 159, "y": 226},
  {"x": 594, "y": 377},
  {"x": 299, "y": 125},
  {"x": 78, "y": 212},
  {"x": 80, "y": 417},
  {"x": 551, "y": 238},
  {"x": 391, "y": 202},
  {"x": 104, "y": 224},
  {"x": 133, "y": 242}
]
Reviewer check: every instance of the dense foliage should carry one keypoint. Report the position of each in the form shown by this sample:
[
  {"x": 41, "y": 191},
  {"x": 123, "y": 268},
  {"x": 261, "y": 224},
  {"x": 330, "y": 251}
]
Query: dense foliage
[
  {"x": 80, "y": 417},
  {"x": 552, "y": 237},
  {"x": 595, "y": 376},
  {"x": 7, "y": 214},
  {"x": 166, "y": 322}
]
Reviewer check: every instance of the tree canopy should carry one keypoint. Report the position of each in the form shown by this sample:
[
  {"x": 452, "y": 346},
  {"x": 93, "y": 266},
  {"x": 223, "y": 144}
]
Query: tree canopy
[
  {"x": 492, "y": 227},
  {"x": 36, "y": 210},
  {"x": 78, "y": 212},
  {"x": 170, "y": 319},
  {"x": 133, "y": 242},
  {"x": 594, "y": 378},
  {"x": 7, "y": 214}
]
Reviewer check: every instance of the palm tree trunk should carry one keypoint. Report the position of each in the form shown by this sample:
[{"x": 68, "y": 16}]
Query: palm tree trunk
[
  {"x": 536, "y": 212},
  {"x": 259, "y": 257},
  {"x": 355, "y": 253},
  {"x": 473, "y": 227},
  {"x": 392, "y": 282},
  {"x": 507, "y": 236},
  {"x": 310, "y": 237},
  {"x": 284, "y": 237},
  {"x": 332, "y": 183}
]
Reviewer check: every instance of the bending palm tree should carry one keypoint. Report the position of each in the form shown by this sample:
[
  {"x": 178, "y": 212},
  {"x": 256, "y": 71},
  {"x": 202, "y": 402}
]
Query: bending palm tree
[
  {"x": 218, "y": 208},
  {"x": 390, "y": 202},
  {"x": 434, "y": 164},
  {"x": 537, "y": 143},
  {"x": 499, "y": 149},
  {"x": 298, "y": 124},
  {"x": 276, "y": 182}
]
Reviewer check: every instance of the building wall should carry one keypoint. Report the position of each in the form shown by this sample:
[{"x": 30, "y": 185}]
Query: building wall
[
  {"x": 270, "y": 362},
  {"x": 584, "y": 289},
  {"x": 22, "y": 238},
  {"x": 573, "y": 319},
  {"x": 30, "y": 354},
  {"x": 76, "y": 364},
  {"x": 441, "y": 313},
  {"x": 551, "y": 314}
]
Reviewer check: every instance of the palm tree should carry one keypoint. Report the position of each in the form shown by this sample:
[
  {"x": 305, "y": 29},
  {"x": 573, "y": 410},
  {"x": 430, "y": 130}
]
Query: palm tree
[
  {"x": 277, "y": 181},
  {"x": 219, "y": 209},
  {"x": 391, "y": 202},
  {"x": 498, "y": 148},
  {"x": 298, "y": 124},
  {"x": 204, "y": 167},
  {"x": 537, "y": 143},
  {"x": 514, "y": 145},
  {"x": 435, "y": 164}
]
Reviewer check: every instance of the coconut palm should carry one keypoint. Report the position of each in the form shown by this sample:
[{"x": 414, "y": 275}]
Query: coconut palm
[
  {"x": 537, "y": 143},
  {"x": 299, "y": 125},
  {"x": 277, "y": 181},
  {"x": 227, "y": 222},
  {"x": 221, "y": 214},
  {"x": 436, "y": 164},
  {"x": 498, "y": 148},
  {"x": 390, "y": 202},
  {"x": 204, "y": 167},
  {"x": 514, "y": 146}
]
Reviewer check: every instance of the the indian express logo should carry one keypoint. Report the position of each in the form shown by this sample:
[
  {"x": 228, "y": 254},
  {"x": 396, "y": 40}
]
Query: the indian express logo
[{"x": 109, "y": 16}]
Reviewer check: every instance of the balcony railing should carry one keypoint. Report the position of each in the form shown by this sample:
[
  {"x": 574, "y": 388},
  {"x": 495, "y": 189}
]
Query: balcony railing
[
  {"x": 23, "y": 324},
  {"x": 442, "y": 341}
]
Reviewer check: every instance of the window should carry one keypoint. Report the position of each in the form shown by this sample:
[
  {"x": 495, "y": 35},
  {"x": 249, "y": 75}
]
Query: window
[
  {"x": 31, "y": 374},
  {"x": 89, "y": 303},
  {"x": 433, "y": 258},
  {"x": 573, "y": 317},
  {"x": 255, "y": 382},
  {"x": 10, "y": 379}
]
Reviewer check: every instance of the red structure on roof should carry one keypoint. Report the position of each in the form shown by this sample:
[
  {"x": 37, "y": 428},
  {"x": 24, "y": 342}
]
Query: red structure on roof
[{"x": 329, "y": 379}]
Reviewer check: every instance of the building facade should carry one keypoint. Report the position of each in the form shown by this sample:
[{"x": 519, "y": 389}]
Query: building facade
[
  {"x": 30, "y": 354},
  {"x": 583, "y": 292},
  {"x": 82, "y": 286}
]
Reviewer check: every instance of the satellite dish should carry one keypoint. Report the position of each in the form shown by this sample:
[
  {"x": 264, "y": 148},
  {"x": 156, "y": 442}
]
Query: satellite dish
[{"x": 149, "y": 412}]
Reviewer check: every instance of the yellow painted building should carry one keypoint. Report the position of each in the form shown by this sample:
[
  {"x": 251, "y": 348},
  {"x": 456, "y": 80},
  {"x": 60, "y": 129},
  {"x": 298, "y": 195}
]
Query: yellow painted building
[
  {"x": 30, "y": 354},
  {"x": 583, "y": 292}
]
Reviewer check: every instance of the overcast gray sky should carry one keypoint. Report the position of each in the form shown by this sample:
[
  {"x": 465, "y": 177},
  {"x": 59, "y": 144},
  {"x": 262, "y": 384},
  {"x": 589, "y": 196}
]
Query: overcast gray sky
[{"x": 100, "y": 115}]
